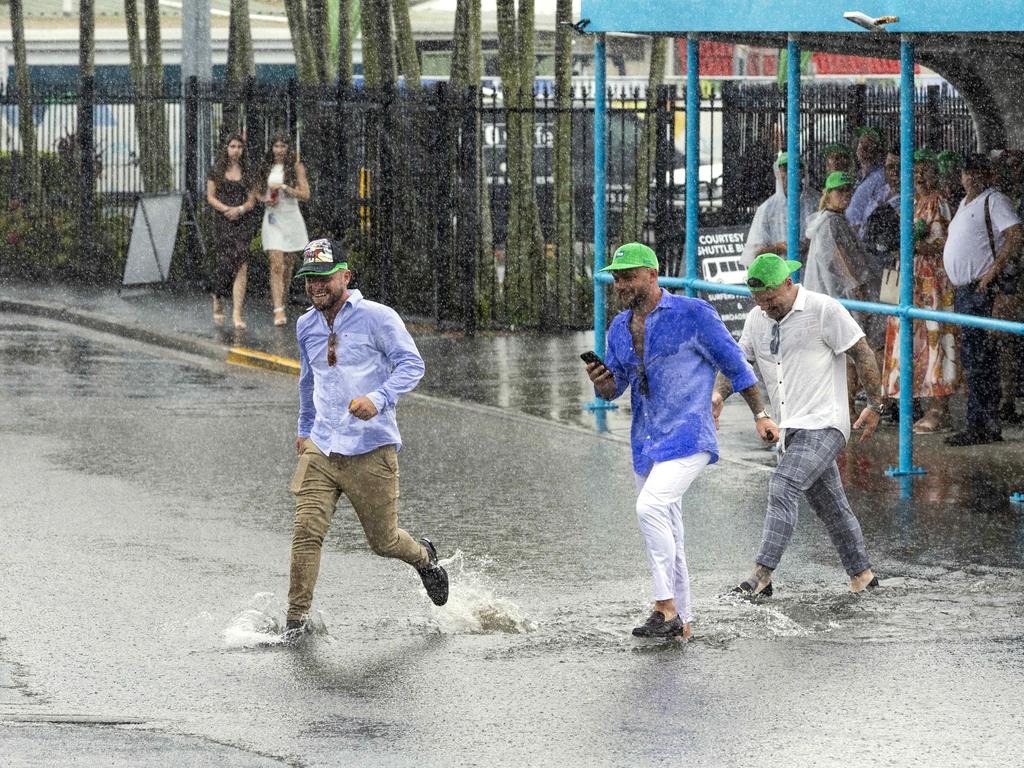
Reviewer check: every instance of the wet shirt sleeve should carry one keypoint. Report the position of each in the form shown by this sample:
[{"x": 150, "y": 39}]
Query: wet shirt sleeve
[
  {"x": 307, "y": 410},
  {"x": 839, "y": 330},
  {"x": 613, "y": 359},
  {"x": 406, "y": 366},
  {"x": 722, "y": 350}
]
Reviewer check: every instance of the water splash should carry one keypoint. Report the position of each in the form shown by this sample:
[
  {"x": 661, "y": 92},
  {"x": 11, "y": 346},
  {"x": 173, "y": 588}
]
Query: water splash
[
  {"x": 473, "y": 607},
  {"x": 262, "y": 622}
]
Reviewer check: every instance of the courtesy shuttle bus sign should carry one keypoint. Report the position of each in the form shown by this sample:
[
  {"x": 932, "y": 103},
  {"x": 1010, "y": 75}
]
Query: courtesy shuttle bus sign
[{"x": 718, "y": 253}]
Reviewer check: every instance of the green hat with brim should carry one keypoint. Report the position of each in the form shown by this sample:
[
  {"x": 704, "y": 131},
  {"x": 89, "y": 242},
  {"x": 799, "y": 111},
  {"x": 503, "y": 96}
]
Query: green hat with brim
[
  {"x": 838, "y": 180},
  {"x": 782, "y": 159},
  {"x": 321, "y": 258},
  {"x": 632, "y": 256},
  {"x": 768, "y": 271}
]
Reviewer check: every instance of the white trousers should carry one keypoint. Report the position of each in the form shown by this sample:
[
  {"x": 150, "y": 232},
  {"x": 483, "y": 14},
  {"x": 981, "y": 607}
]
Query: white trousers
[{"x": 659, "y": 511}]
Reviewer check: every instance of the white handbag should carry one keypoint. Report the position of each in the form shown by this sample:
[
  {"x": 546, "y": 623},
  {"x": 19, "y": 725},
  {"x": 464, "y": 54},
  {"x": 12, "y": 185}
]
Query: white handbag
[{"x": 890, "y": 290}]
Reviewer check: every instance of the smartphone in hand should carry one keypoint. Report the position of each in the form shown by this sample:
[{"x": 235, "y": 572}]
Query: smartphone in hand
[{"x": 590, "y": 356}]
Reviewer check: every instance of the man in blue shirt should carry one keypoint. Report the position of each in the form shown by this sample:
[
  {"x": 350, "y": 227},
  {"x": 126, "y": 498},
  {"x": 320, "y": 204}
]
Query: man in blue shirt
[
  {"x": 872, "y": 189},
  {"x": 356, "y": 359},
  {"x": 667, "y": 349}
]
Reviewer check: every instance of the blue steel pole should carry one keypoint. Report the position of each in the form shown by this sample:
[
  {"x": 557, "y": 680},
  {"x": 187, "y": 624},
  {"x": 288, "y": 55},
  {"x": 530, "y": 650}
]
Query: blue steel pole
[
  {"x": 692, "y": 154},
  {"x": 600, "y": 224},
  {"x": 906, "y": 466},
  {"x": 793, "y": 148}
]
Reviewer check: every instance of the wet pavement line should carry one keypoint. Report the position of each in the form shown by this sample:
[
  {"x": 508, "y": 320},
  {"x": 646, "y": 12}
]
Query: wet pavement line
[
  {"x": 252, "y": 358},
  {"x": 68, "y": 719}
]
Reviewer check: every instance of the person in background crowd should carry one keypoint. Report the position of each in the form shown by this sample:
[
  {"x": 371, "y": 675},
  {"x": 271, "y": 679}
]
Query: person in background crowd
[
  {"x": 838, "y": 157},
  {"x": 836, "y": 263},
  {"x": 984, "y": 236},
  {"x": 872, "y": 188},
  {"x": 284, "y": 231},
  {"x": 950, "y": 164},
  {"x": 1009, "y": 303},
  {"x": 769, "y": 229},
  {"x": 936, "y": 362},
  {"x": 881, "y": 248},
  {"x": 230, "y": 191}
]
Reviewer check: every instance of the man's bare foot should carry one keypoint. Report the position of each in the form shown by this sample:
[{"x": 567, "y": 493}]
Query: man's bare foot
[
  {"x": 687, "y": 632},
  {"x": 863, "y": 580}
]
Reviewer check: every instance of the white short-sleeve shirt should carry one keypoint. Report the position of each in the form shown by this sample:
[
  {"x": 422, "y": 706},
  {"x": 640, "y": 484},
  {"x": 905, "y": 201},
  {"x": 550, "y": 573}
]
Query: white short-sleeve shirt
[
  {"x": 968, "y": 252},
  {"x": 806, "y": 378}
]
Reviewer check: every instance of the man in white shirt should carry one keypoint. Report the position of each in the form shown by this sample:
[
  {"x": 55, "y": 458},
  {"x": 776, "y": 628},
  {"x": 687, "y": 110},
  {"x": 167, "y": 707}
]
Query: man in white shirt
[
  {"x": 984, "y": 236},
  {"x": 799, "y": 340}
]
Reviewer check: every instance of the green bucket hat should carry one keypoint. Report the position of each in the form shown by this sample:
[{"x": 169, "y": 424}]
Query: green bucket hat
[
  {"x": 631, "y": 256},
  {"x": 321, "y": 258},
  {"x": 838, "y": 179},
  {"x": 925, "y": 155},
  {"x": 782, "y": 159},
  {"x": 949, "y": 160},
  {"x": 769, "y": 271}
]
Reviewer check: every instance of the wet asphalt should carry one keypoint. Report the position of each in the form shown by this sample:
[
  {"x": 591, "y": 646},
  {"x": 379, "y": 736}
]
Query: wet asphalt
[{"x": 146, "y": 525}]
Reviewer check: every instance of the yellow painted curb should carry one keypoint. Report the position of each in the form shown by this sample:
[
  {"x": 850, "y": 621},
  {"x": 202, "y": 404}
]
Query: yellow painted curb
[{"x": 255, "y": 359}]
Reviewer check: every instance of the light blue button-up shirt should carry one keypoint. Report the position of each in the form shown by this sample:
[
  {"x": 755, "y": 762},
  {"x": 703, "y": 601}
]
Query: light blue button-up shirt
[
  {"x": 685, "y": 345},
  {"x": 376, "y": 358},
  {"x": 872, "y": 191}
]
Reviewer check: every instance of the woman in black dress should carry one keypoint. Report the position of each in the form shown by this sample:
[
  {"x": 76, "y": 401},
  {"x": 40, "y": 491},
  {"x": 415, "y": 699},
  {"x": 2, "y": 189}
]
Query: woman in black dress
[{"x": 231, "y": 193}]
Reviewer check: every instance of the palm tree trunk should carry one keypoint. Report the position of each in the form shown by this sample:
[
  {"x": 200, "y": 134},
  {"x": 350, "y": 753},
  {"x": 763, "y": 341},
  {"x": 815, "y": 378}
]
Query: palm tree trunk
[
  {"x": 408, "y": 62},
  {"x": 157, "y": 123},
  {"x": 26, "y": 126},
  {"x": 301, "y": 43},
  {"x": 636, "y": 206},
  {"x": 562, "y": 268}
]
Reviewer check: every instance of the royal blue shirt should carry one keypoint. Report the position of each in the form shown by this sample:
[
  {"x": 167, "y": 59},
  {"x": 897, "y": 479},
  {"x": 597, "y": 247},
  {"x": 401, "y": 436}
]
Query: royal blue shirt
[
  {"x": 376, "y": 358},
  {"x": 685, "y": 345}
]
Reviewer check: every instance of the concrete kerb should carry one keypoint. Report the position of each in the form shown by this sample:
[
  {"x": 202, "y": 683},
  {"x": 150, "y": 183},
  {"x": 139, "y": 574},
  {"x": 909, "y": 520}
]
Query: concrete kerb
[{"x": 177, "y": 341}]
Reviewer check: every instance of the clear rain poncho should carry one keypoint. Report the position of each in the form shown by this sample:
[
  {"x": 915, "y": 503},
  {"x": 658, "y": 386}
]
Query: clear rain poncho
[
  {"x": 772, "y": 218},
  {"x": 836, "y": 259}
]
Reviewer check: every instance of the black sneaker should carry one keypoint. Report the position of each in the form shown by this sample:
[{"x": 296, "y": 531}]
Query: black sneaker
[
  {"x": 973, "y": 437},
  {"x": 656, "y": 626},
  {"x": 294, "y": 629},
  {"x": 746, "y": 589},
  {"x": 434, "y": 577}
]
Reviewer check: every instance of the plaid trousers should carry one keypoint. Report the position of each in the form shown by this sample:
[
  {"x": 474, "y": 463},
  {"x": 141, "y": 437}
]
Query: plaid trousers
[{"x": 808, "y": 467}]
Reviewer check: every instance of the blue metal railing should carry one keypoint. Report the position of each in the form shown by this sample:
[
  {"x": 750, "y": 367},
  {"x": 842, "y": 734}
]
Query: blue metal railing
[{"x": 905, "y": 310}]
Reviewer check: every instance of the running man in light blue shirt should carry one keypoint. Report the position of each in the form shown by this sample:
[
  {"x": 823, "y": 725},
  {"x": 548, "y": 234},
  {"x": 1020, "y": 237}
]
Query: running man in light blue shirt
[
  {"x": 356, "y": 359},
  {"x": 667, "y": 349}
]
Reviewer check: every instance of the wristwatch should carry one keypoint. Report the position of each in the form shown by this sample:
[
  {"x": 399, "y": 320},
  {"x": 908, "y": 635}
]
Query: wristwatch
[
  {"x": 876, "y": 407},
  {"x": 762, "y": 415}
]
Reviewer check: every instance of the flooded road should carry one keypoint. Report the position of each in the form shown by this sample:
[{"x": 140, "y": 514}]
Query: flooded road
[{"x": 147, "y": 524}]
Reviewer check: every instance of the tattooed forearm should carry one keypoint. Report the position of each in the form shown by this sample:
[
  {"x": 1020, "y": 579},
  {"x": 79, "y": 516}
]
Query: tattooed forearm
[
  {"x": 752, "y": 395},
  {"x": 867, "y": 370},
  {"x": 723, "y": 386}
]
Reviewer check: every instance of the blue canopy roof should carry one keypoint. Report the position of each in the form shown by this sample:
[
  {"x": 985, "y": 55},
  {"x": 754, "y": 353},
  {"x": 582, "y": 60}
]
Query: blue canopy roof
[{"x": 800, "y": 15}]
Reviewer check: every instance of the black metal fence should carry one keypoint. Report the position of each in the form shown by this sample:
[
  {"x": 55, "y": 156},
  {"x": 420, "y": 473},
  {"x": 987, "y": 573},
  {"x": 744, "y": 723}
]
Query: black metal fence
[{"x": 417, "y": 182}]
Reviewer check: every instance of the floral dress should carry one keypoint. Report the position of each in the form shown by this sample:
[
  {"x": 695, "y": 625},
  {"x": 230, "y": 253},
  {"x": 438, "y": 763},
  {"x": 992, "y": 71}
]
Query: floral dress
[{"x": 936, "y": 353}]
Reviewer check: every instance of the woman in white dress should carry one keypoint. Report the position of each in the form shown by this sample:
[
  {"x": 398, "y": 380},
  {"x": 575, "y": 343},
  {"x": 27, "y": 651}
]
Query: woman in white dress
[{"x": 284, "y": 231}]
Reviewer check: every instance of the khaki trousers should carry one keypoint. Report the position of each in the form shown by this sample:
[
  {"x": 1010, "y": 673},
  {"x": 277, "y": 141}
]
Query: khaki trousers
[{"x": 370, "y": 481}]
